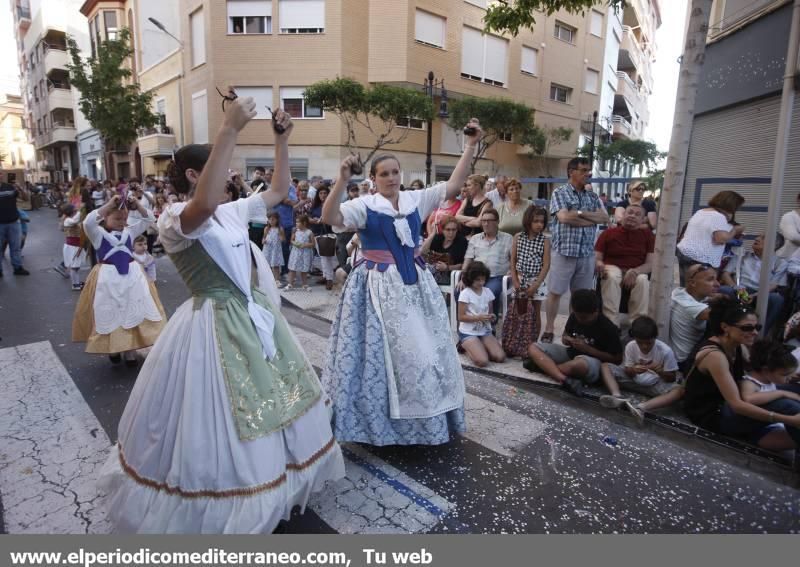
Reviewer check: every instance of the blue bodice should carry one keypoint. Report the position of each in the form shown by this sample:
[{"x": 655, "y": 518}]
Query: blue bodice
[
  {"x": 380, "y": 234},
  {"x": 121, "y": 259}
]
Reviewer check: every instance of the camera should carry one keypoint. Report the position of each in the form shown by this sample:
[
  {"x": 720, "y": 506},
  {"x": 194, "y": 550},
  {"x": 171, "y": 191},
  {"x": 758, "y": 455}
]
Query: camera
[{"x": 470, "y": 130}]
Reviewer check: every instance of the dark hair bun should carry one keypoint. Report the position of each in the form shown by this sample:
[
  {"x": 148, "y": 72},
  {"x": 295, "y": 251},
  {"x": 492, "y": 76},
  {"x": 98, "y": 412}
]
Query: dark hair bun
[{"x": 193, "y": 156}]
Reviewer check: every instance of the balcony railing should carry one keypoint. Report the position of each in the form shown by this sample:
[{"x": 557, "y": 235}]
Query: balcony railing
[
  {"x": 621, "y": 125},
  {"x": 154, "y": 130}
]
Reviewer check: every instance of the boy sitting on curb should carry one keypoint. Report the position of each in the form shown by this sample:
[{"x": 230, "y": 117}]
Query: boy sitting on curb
[
  {"x": 649, "y": 368},
  {"x": 590, "y": 339}
]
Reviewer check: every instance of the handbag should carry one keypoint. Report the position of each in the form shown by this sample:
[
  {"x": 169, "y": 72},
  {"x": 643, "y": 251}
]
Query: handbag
[{"x": 326, "y": 245}]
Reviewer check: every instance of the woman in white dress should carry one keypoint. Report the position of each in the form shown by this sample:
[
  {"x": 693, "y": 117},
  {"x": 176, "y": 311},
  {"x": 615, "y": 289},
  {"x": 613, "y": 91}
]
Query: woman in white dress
[{"x": 226, "y": 429}]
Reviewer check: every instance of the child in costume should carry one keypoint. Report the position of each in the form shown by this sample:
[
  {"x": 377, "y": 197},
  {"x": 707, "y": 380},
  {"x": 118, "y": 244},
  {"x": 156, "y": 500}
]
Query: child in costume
[
  {"x": 118, "y": 311},
  {"x": 73, "y": 254},
  {"x": 145, "y": 259}
]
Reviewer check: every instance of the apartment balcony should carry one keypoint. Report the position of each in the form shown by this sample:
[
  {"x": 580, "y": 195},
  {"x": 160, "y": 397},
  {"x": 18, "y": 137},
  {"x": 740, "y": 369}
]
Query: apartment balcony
[
  {"x": 55, "y": 59},
  {"x": 59, "y": 97},
  {"x": 621, "y": 126},
  {"x": 59, "y": 134},
  {"x": 23, "y": 17},
  {"x": 156, "y": 142},
  {"x": 631, "y": 54}
]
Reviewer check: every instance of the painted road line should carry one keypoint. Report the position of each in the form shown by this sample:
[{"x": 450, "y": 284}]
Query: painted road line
[
  {"x": 498, "y": 428},
  {"x": 51, "y": 447},
  {"x": 495, "y": 427},
  {"x": 374, "y": 497}
]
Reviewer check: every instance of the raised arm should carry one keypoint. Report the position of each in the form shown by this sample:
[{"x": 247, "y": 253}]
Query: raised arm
[
  {"x": 331, "y": 211},
  {"x": 211, "y": 183},
  {"x": 462, "y": 169},
  {"x": 281, "y": 176}
]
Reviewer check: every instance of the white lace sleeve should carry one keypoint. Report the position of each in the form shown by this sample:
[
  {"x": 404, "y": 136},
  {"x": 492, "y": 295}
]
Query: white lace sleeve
[
  {"x": 170, "y": 233},
  {"x": 355, "y": 216},
  {"x": 430, "y": 199},
  {"x": 92, "y": 228},
  {"x": 251, "y": 208}
]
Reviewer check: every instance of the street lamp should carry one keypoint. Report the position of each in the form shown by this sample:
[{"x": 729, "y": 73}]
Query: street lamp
[{"x": 431, "y": 84}]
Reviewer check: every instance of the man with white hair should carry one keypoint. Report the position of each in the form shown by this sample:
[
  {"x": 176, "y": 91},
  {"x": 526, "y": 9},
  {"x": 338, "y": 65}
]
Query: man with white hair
[{"x": 498, "y": 194}]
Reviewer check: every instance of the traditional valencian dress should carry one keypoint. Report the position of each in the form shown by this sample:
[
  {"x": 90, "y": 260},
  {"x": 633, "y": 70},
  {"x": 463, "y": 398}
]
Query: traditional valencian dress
[
  {"x": 393, "y": 372},
  {"x": 118, "y": 309},
  {"x": 73, "y": 254},
  {"x": 227, "y": 428}
]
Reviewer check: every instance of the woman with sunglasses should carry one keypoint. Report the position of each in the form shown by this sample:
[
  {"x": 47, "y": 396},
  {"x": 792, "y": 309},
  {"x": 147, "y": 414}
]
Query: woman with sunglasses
[
  {"x": 636, "y": 197},
  {"x": 712, "y": 399}
]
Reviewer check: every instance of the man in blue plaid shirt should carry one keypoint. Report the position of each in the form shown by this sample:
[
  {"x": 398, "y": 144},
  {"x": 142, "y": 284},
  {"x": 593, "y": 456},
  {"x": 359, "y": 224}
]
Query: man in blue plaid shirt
[{"x": 576, "y": 213}]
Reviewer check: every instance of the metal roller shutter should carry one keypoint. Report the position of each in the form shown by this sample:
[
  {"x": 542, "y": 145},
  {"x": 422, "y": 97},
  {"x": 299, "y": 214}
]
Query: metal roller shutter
[{"x": 738, "y": 144}]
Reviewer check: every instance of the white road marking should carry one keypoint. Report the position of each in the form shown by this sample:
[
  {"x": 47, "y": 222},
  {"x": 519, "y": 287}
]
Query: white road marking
[{"x": 51, "y": 447}]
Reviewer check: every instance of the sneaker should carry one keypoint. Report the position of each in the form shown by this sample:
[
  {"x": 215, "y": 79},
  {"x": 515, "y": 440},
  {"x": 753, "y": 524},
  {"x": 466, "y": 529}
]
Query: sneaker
[
  {"x": 21, "y": 272},
  {"x": 288, "y": 287},
  {"x": 115, "y": 358},
  {"x": 306, "y": 288},
  {"x": 529, "y": 365},
  {"x": 612, "y": 402},
  {"x": 573, "y": 386},
  {"x": 636, "y": 412},
  {"x": 77, "y": 287}
]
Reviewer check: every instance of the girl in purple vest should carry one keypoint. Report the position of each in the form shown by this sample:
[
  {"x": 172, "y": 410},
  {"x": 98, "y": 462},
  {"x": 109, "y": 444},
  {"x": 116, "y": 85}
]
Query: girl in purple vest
[{"x": 119, "y": 310}]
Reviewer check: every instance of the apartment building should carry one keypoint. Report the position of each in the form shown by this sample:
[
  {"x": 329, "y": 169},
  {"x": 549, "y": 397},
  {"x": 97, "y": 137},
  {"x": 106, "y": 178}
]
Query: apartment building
[
  {"x": 737, "y": 108},
  {"x": 273, "y": 49},
  {"x": 52, "y": 118},
  {"x": 15, "y": 151}
]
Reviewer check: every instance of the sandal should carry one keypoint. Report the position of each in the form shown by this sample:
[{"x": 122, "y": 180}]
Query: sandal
[
  {"x": 288, "y": 287},
  {"x": 547, "y": 338},
  {"x": 306, "y": 288}
]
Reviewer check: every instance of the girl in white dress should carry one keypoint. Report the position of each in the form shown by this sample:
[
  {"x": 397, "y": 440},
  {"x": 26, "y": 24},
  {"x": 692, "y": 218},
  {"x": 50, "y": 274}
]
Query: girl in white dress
[
  {"x": 272, "y": 248},
  {"x": 302, "y": 252},
  {"x": 226, "y": 429},
  {"x": 118, "y": 311},
  {"x": 73, "y": 253}
]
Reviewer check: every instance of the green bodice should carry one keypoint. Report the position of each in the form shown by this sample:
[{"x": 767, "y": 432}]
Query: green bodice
[{"x": 265, "y": 395}]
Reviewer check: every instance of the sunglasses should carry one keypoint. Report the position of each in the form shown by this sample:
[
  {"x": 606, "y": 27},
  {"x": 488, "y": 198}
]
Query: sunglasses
[
  {"x": 702, "y": 268},
  {"x": 749, "y": 328}
]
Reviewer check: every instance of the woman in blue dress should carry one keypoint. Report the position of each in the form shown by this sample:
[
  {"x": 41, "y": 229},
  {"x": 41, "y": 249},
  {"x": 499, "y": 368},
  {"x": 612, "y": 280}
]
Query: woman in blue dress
[{"x": 393, "y": 373}]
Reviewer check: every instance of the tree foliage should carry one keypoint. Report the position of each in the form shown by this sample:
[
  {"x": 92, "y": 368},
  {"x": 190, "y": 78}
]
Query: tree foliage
[
  {"x": 111, "y": 103},
  {"x": 639, "y": 153},
  {"x": 498, "y": 117},
  {"x": 508, "y": 16},
  {"x": 541, "y": 141},
  {"x": 378, "y": 108}
]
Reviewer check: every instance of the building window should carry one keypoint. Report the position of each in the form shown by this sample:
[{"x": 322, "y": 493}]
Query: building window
[
  {"x": 480, "y": 3},
  {"x": 301, "y": 16},
  {"x": 293, "y": 102},
  {"x": 262, "y": 97},
  {"x": 504, "y": 136},
  {"x": 411, "y": 122},
  {"x": 249, "y": 17},
  {"x": 429, "y": 29},
  {"x": 200, "y": 117},
  {"x": 484, "y": 57},
  {"x": 198, "y": 31},
  {"x": 592, "y": 81},
  {"x": 565, "y": 32},
  {"x": 559, "y": 93},
  {"x": 530, "y": 60},
  {"x": 36, "y": 94},
  {"x": 596, "y": 23},
  {"x": 110, "y": 23}
]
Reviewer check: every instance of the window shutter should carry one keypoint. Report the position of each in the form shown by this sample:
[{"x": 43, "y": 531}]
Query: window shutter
[
  {"x": 429, "y": 28},
  {"x": 496, "y": 58},
  {"x": 262, "y": 97},
  {"x": 198, "y": 38},
  {"x": 529, "y": 61},
  {"x": 301, "y": 14},
  {"x": 241, "y": 8},
  {"x": 200, "y": 117},
  {"x": 472, "y": 52}
]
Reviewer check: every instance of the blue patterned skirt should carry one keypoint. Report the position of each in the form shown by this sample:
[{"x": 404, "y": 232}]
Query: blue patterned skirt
[{"x": 355, "y": 376}]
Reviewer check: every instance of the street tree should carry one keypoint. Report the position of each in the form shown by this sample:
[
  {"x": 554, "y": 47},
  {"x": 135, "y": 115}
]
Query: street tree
[
  {"x": 691, "y": 62},
  {"x": 541, "y": 140},
  {"x": 500, "y": 118},
  {"x": 639, "y": 153},
  {"x": 508, "y": 16},
  {"x": 110, "y": 101},
  {"x": 377, "y": 109}
]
